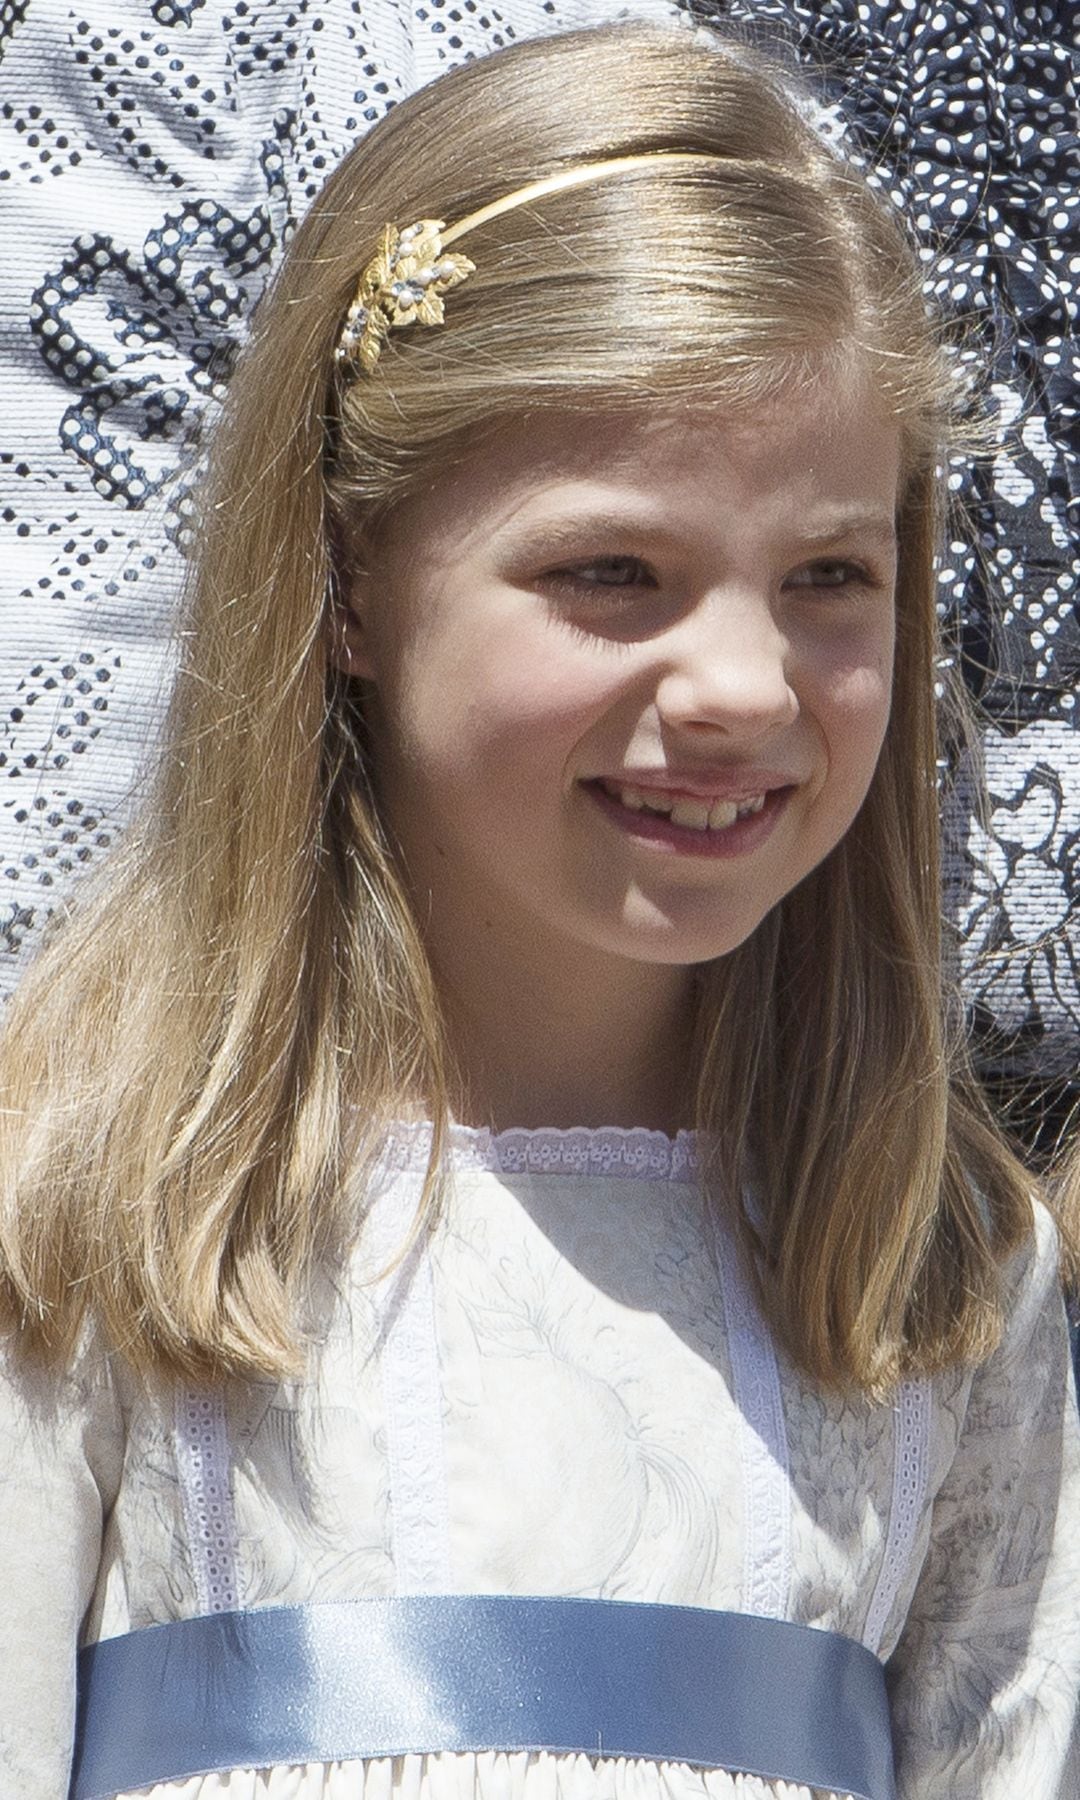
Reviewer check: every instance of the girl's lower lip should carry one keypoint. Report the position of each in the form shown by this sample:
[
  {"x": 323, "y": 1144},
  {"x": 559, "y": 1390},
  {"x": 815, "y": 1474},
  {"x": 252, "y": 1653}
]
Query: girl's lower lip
[{"x": 682, "y": 840}]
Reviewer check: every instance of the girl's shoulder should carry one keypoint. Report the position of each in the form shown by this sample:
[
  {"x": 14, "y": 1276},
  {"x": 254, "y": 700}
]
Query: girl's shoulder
[
  {"x": 1032, "y": 1283},
  {"x": 62, "y": 1418}
]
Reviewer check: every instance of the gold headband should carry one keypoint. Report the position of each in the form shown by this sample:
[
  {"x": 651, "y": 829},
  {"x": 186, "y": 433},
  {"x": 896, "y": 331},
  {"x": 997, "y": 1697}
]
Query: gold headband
[{"x": 405, "y": 280}]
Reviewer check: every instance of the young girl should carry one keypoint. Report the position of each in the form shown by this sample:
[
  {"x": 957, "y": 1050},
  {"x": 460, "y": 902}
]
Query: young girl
[{"x": 408, "y": 1401}]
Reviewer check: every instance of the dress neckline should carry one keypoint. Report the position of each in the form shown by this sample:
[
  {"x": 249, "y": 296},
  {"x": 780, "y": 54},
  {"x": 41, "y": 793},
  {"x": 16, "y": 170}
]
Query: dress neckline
[{"x": 633, "y": 1153}]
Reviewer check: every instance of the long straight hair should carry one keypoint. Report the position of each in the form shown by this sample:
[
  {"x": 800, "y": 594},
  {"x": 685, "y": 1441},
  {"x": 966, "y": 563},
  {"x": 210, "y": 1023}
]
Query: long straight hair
[{"x": 200, "y": 1068}]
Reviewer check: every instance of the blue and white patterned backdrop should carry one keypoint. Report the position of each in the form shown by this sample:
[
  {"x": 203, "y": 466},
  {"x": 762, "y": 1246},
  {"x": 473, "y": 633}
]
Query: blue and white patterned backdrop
[{"x": 154, "y": 156}]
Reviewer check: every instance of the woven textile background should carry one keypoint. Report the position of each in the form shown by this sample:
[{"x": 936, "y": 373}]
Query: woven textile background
[{"x": 154, "y": 156}]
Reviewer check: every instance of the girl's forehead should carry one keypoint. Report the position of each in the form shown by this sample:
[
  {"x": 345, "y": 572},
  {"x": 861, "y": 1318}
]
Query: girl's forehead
[
  {"x": 615, "y": 437},
  {"x": 827, "y": 448}
]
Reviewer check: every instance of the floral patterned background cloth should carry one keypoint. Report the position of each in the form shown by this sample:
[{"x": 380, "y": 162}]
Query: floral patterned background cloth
[{"x": 154, "y": 157}]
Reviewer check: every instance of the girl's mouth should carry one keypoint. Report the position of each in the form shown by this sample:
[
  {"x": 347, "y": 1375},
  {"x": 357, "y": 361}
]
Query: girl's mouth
[{"x": 690, "y": 823}]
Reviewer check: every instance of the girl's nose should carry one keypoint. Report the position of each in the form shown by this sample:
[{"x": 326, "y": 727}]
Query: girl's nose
[{"x": 727, "y": 669}]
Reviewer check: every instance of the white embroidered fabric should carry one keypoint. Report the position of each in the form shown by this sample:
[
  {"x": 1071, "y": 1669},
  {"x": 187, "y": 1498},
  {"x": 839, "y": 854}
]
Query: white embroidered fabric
[
  {"x": 762, "y": 1447},
  {"x": 410, "y": 1364},
  {"x": 411, "y": 1395},
  {"x": 410, "y": 1378},
  {"x": 410, "y": 1359}
]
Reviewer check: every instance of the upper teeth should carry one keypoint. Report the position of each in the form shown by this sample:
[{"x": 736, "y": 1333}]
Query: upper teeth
[{"x": 699, "y": 815}]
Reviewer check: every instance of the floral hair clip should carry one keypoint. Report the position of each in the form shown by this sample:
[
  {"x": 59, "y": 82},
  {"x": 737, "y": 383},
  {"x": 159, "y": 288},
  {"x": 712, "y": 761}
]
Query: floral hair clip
[
  {"x": 405, "y": 280},
  {"x": 403, "y": 284}
]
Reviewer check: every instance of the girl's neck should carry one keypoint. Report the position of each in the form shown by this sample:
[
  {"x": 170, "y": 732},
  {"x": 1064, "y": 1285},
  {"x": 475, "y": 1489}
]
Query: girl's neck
[{"x": 551, "y": 1048}]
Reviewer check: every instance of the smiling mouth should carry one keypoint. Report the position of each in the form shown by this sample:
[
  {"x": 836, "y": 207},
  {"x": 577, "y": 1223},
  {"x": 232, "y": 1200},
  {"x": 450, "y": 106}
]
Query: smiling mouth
[{"x": 693, "y": 814}]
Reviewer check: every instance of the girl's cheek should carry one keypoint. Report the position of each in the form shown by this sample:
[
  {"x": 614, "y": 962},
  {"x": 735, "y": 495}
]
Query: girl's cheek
[
  {"x": 866, "y": 688},
  {"x": 538, "y": 692},
  {"x": 853, "y": 670}
]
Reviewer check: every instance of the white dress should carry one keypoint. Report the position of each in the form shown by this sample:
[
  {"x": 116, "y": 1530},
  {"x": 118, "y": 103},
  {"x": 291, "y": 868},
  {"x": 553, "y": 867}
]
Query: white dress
[{"x": 576, "y": 1396}]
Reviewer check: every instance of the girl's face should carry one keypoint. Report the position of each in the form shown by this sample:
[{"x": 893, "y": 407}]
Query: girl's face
[{"x": 631, "y": 678}]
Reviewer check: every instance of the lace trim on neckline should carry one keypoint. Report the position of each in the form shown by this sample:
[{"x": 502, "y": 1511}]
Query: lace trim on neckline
[{"x": 634, "y": 1153}]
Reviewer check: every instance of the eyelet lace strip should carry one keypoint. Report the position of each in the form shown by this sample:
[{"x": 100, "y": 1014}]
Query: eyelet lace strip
[
  {"x": 204, "y": 1467},
  {"x": 632, "y": 1154},
  {"x": 911, "y": 1429}
]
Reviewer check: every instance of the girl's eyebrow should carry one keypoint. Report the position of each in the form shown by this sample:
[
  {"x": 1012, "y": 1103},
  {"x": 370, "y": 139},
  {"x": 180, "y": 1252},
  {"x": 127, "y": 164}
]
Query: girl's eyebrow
[
  {"x": 572, "y": 529},
  {"x": 570, "y": 532},
  {"x": 878, "y": 526}
]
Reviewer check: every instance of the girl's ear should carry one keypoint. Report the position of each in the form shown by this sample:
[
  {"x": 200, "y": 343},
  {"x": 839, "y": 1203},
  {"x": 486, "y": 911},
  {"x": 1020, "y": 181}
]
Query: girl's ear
[
  {"x": 350, "y": 651},
  {"x": 349, "y": 648}
]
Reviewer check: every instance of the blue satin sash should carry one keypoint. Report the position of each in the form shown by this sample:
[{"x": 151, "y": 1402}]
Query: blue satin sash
[{"x": 368, "y": 1678}]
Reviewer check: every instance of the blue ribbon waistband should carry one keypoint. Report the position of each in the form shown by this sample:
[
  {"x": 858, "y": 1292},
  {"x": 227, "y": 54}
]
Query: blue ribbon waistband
[{"x": 367, "y": 1678}]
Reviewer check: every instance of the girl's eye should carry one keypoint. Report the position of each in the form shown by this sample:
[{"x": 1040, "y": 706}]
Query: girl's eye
[
  {"x": 606, "y": 572},
  {"x": 830, "y": 572}
]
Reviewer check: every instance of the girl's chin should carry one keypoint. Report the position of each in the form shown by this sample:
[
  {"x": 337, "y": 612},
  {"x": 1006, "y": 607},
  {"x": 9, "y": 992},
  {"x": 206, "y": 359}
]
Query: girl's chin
[{"x": 656, "y": 938}]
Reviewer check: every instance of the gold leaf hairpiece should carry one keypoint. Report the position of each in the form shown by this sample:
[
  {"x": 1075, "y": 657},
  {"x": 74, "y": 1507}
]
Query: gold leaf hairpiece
[
  {"x": 403, "y": 284},
  {"x": 411, "y": 270}
]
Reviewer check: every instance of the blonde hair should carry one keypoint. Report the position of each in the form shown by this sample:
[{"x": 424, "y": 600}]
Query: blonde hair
[{"x": 200, "y": 1068}]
